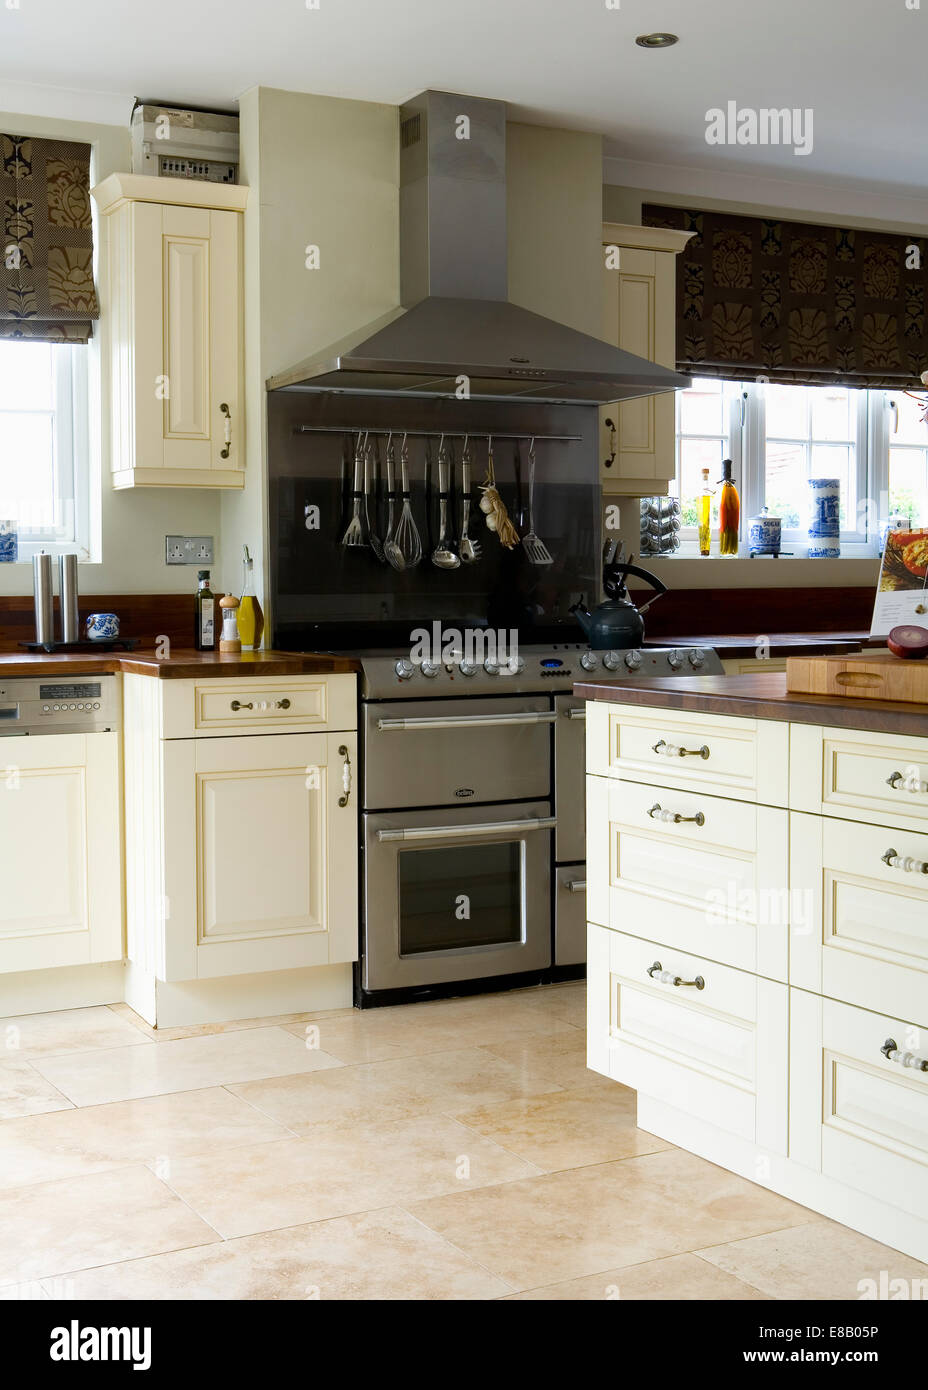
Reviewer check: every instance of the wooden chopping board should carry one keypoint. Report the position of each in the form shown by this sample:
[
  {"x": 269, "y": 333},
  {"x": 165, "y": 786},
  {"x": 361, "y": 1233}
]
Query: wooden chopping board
[{"x": 867, "y": 676}]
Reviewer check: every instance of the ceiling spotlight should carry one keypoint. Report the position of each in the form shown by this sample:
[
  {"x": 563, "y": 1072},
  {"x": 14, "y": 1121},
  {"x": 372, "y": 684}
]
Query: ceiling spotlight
[{"x": 657, "y": 40}]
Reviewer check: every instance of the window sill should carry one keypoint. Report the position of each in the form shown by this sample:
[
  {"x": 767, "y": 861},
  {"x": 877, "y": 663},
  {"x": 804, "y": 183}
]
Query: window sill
[{"x": 792, "y": 551}]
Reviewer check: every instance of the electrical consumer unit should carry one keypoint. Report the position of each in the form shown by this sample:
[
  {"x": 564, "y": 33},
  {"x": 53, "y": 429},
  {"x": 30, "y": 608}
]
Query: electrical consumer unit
[{"x": 183, "y": 144}]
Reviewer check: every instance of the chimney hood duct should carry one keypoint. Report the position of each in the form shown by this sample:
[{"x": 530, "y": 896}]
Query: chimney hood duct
[{"x": 456, "y": 332}]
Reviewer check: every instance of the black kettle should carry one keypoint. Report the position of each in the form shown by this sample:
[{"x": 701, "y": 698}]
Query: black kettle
[{"x": 617, "y": 623}]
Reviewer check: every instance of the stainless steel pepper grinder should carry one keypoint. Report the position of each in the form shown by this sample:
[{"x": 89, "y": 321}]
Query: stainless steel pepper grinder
[
  {"x": 67, "y": 598},
  {"x": 43, "y": 594}
]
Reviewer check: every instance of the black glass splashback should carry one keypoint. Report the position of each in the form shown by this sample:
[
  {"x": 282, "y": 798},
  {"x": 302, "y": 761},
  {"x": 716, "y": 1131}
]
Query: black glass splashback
[{"x": 328, "y": 596}]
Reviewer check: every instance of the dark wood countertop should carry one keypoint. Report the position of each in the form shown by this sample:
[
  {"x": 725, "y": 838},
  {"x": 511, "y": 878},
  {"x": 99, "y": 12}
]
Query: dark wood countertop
[
  {"x": 180, "y": 665},
  {"x": 779, "y": 644},
  {"x": 761, "y": 695}
]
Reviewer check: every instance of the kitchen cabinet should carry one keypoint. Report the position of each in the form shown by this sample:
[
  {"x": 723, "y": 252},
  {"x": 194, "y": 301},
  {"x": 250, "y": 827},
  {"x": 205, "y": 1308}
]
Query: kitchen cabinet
[
  {"x": 242, "y": 844},
  {"x": 758, "y": 948},
  {"x": 60, "y": 847},
  {"x": 174, "y": 320},
  {"x": 637, "y": 438}
]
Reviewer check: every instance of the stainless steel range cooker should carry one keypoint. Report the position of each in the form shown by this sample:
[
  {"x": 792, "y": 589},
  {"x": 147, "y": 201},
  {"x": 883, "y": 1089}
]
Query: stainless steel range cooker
[{"x": 473, "y": 831}]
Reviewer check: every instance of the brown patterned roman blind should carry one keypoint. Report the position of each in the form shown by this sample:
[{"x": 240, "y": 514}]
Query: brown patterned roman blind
[
  {"x": 46, "y": 255},
  {"x": 798, "y": 303}
]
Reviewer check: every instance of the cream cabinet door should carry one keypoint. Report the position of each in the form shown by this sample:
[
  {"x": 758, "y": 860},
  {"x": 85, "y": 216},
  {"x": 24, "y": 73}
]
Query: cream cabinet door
[
  {"x": 260, "y": 848},
  {"x": 60, "y": 851}
]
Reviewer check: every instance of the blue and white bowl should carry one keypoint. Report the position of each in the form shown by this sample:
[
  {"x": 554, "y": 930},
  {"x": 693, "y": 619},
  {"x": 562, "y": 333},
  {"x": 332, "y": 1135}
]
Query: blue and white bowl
[
  {"x": 824, "y": 518},
  {"x": 9, "y": 543},
  {"x": 102, "y": 627}
]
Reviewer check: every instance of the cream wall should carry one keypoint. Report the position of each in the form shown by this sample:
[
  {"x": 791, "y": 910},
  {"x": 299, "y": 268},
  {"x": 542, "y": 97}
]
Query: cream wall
[{"x": 130, "y": 526}]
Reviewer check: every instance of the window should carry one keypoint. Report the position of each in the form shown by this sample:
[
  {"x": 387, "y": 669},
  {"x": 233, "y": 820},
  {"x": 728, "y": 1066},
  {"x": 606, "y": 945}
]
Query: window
[
  {"x": 778, "y": 437},
  {"x": 44, "y": 445}
]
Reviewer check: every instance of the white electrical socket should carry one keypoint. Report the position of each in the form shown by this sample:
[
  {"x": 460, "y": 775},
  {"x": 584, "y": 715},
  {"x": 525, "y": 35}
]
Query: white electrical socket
[{"x": 188, "y": 550}]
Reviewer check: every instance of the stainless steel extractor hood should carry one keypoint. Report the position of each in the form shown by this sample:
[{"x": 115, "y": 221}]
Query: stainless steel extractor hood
[{"x": 456, "y": 332}]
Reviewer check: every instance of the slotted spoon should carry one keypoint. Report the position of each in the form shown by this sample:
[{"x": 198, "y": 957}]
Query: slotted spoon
[{"x": 536, "y": 552}]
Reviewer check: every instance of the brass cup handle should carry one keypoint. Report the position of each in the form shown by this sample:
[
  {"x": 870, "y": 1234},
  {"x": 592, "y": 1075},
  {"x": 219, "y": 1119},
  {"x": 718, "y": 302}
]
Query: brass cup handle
[
  {"x": 906, "y": 862},
  {"x": 893, "y": 1053},
  {"x": 899, "y": 782},
  {"x": 262, "y": 704},
  {"x": 237, "y": 705},
  {"x": 672, "y": 750},
  {"x": 657, "y": 812},
  {"x": 666, "y": 977},
  {"x": 346, "y": 775},
  {"x": 227, "y": 448}
]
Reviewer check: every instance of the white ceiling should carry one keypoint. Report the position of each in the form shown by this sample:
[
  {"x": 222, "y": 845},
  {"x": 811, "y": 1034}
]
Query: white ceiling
[{"x": 859, "y": 64}]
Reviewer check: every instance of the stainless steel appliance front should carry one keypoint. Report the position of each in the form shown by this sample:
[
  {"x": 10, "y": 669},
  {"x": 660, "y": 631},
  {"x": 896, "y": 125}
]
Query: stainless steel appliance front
[{"x": 456, "y": 894}]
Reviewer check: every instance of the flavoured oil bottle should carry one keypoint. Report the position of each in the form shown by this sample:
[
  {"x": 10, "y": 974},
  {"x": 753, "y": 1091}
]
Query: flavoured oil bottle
[
  {"x": 729, "y": 513},
  {"x": 204, "y": 632},
  {"x": 250, "y": 617},
  {"x": 704, "y": 515}
]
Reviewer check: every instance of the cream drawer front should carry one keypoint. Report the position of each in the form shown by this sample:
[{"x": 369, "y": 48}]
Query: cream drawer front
[
  {"x": 861, "y": 927},
  {"x": 290, "y": 704},
  {"x": 748, "y": 666},
  {"x": 857, "y": 1114},
  {"x": 741, "y": 758},
  {"x": 694, "y": 1034},
  {"x": 713, "y": 883},
  {"x": 860, "y": 776}
]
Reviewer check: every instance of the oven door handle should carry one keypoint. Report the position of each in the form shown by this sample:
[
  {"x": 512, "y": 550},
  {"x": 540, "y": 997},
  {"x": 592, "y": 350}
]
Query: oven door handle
[
  {"x": 455, "y": 832},
  {"x": 468, "y": 721}
]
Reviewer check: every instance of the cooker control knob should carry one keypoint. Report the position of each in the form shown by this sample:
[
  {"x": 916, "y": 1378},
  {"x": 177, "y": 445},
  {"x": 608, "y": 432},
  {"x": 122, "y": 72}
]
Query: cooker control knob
[
  {"x": 675, "y": 659},
  {"x": 612, "y": 661},
  {"x": 467, "y": 668},
  {"x": 515, "y": 666},
  {"x": 633, "y": 660},
  {"x": 697, "y": 656},
  {"x": 405, "y": 670},
  {"x": 491, "y": 667},
  {"x": 589, "y": 661},
  {"x": 430, "y": 669}
]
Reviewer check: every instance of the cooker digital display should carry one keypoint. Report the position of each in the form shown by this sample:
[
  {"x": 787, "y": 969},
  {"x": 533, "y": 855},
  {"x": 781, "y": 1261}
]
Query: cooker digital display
[{"x": 70, "y": 692}]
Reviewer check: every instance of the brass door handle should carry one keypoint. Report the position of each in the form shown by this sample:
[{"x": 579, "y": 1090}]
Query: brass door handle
[
  {"x": 894, "y": 860},
  {"x": 346, "y": 775},
  {"x": 671, "y": 750},
  {"x": 237, "y": 705},
  {"x": 666, "y": 977},
  {"x": 657, "y": 812},
  {"x": 283, "y": 704},
  {"x": 901, "y": 783},
  {"x": 893, "y": 1053},
  {"x": 226, "y": 450}
]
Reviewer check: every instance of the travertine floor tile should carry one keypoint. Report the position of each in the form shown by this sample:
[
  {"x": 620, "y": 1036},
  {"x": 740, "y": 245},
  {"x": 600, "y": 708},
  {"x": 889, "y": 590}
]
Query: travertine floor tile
[
  {"x": 157, "y": 1129},
  {"x": 24, "y": 1091},
  {"x": 67, "y": 1030},
  {"x": 340, "y": 1169},
  {"x": 127, "y": 1073},
  {"x": 556, "y": 1055},
  {"x": 818, "y": 1260},
  {"x": 384, "y": 1254},
  {"x": 203, "y": 1030},
  {"x": 566, "y": 1129},
  {"x": 52, "y": 1228},
  {"x": 677, "y": 1277}
]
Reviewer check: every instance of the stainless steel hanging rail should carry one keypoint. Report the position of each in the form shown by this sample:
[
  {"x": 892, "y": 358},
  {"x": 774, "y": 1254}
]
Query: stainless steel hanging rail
[{"x": 457, "y": 433}]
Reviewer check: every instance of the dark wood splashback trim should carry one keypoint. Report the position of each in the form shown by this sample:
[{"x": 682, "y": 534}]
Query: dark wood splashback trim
[
  {"x": 145, "y": 616},
  {"x": 698, "y": 612}
]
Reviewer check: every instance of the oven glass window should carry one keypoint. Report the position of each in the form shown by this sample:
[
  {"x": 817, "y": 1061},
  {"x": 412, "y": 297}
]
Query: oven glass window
[{"x": 460, "y": 895}]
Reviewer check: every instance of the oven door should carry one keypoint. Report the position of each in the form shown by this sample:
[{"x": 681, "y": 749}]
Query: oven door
[
  {"x": 458, "y": 894},
  {"x": 443, "y": 752}
]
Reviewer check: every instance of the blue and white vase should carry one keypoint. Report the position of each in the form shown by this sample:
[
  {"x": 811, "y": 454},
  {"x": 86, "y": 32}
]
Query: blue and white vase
[
  {"x": 824, "y": 518},
  {"x": 9, "y": 543}
]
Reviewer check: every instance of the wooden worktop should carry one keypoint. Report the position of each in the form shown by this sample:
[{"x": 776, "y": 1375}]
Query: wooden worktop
[
  {"x": 180, "y": 665},
  {"x": 760, "y": 695}
]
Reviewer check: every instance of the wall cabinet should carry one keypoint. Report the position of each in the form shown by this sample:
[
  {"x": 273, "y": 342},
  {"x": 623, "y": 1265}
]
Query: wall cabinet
[
  {"x": 60, "y": 847},
  {"x": 174, "y": 312},
  {"x": 637, "y": 438}
]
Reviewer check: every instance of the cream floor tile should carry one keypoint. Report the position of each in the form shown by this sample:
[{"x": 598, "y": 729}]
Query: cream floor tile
[
  {"x": 355, "y": 1039},
  {"x": 395, "y": 1089},
  {"x": 339, "y": 1170},
  {"x": 185, "y": 1065},
  {"x": 677, "y": 1277},
  {"x": 583, "y": 1220},
  {"x": 384, "y": 1254},
  {"x": 559, "y": 1055},
  {"x": 566, "y": 1129},
  {"x": 24, "y": 1091},
  {"x": 68, "y": 1030},
  {"x": 202, "y": 1030},
  {"x": 53, "y": 1228},
  {"x": 456, "y": 1023},
  {"x": 158, "y": 1129},
  {"x": 820, "y": 1260}
]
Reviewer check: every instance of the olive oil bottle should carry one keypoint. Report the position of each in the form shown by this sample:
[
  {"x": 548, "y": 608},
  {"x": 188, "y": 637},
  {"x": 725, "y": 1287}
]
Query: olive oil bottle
[
  {"x": 704, "y": 515},
  {"x": 729, "y": 512},
  {"x": 250, "y": 617},
  {"x": 204, "y": 632}
]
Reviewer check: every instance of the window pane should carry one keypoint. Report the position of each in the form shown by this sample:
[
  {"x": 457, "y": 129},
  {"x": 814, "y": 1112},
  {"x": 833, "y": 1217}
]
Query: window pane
[
  {"x": 27, "y": 470},
  {"x": 908, "y": 484},
  {"x": 833, "y": 414},
  {"x": 786, "y": 480},
  {"x": 701, "y": 409},
  {"x": 787, "y": 412},
  {"x": 912, "y": 428},
  {"x": 695, "y": 455},
  {"x": 26, "y": 378}
]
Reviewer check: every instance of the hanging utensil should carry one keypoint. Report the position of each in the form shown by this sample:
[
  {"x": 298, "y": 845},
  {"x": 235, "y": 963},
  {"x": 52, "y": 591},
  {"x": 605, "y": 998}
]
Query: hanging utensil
[
  {"x": 443, "y": 555},
  {"x": 390, "y": 466},
  {"x": 371, "y": 469},
  {"x": 536, "y": 552},
  {"x": 493, "y": 507},
  {"x": 405, "y": 550},
  {"x": 468, "y": 550},
  {"x": 354, "y": 536}
]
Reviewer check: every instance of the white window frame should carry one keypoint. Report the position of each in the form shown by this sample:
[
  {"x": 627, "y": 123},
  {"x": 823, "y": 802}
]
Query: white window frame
[{"x": 71, "y": 461}]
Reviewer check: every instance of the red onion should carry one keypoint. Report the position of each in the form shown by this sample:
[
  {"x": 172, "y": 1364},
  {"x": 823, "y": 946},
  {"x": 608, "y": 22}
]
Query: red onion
[{"x": 908, "y": 641}]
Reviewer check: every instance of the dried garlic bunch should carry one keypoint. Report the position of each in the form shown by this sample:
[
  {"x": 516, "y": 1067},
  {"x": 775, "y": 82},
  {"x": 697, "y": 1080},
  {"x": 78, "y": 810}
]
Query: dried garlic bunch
[{"x": 494, "y": 508}]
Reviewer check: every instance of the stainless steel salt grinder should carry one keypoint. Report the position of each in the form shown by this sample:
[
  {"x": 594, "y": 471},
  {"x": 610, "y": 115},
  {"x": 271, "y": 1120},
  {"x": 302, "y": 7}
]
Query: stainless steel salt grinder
[
  {"x": 67, "y": 597},
  {"x": 44, "y": 597}
]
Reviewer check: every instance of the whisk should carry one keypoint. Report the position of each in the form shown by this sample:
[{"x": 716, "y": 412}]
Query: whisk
[{"x": 404, "y": 550}]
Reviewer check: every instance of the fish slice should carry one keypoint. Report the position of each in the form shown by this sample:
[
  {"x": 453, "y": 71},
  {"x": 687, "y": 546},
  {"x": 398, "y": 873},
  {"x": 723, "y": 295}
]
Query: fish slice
[{"x": 536, "y": 552}]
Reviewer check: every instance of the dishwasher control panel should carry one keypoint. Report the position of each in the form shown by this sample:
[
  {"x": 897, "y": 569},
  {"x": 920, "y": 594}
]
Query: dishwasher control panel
[{"x": 86, "y": 704}]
